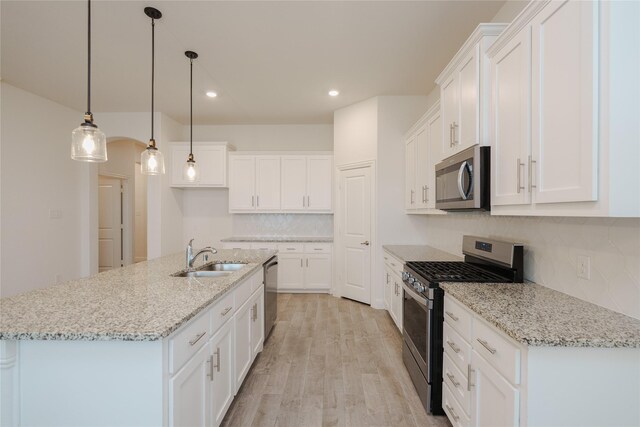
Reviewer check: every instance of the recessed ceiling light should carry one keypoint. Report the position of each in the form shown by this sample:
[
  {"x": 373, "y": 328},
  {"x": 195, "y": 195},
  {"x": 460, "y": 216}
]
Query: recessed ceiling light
[
  {"x": 211, "y": 94},
  {"x": 333, "y": 92}
]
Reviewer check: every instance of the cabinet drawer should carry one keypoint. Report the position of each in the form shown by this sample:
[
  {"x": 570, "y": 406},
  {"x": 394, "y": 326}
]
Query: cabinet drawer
[
  {"x": 243, "y": 292},
  {"x": 317, "y": 248},
  {"x": 458, "y": 349},
  {"x": 292, "y": 248},
  {"x": 458, "y": 316},
  {"x": 222, "y": 311},
  {"x": 264, "y": 246},
  {"x": 497, "y": 350},
  {"x": 256, "y": 280},
  {"x": 236, "y": 245},
  {"x": 187, "y": 341},
  {"x": 394, "y": 264},
  {"x": 457, "y": 382},
  {"x": 453, "y": 409}
]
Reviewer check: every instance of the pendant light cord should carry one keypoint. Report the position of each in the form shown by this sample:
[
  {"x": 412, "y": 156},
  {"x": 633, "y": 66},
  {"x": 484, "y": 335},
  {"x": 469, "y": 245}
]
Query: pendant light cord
[
  {"x": 89, "y": 57},
  {"x": 191, "y": 108},
  {"x": 153, "y": 65}
]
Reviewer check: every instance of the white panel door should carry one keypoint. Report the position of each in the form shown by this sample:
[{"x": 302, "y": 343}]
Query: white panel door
[
  {"x": 510, "y": 82},
  {"x": 212, "y": 165},
  {"x": 109, "y": 224},
  {"x": 257, "y": 323},
  {"x": 466, "y": 131},
  {"x": 410, "y": 196},
  {"x": 267, "y": 183},
  {"x": 320, "y": 183},
  {"x": 290, "y": 271},
  {"x": 223, "y": 384},
  {"x": 242, "y": 343},
  {"x": 190, "y": 392},
  {"x": 294, "y": 182},
  {"x": 494, "y": 401},
  {"x": 449, "y": 108},
  {"x": 356, "y": 234},
  {"x": 317, "y": 272},
  {"x": 565, "y": 106},
  {"x": 242, "y": 181},
  {"x": 421, "y": 167},
  {"x": 434, "y": 156}
]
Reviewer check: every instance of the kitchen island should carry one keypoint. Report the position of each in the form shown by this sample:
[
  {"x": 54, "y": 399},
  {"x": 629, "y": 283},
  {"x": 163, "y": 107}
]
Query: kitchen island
[{"x": 132, "y": 346}]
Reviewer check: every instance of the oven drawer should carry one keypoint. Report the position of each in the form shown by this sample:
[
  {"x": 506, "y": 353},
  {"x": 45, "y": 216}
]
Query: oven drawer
[
  {"x": 458, "y": 316},
  {"x": 458, "y": 349},
  {"x": 457, "y": 382},
  {"x": 498, "y": 351},
  {"x": 453, "y": 409}
]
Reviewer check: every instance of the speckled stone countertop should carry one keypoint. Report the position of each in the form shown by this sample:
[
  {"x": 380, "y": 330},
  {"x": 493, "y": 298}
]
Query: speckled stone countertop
[
  {"x": 408, "y": 253},
  {"x": 542, "y": 317},
  {"x": 276, "y": 239},
  {"x": 140, "y": 302}
]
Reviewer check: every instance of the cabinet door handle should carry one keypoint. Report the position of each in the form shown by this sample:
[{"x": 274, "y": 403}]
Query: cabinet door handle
[
  {"x": 308, "y": 201},
  {"x": 427, "y": 193},
  {"x": 519, "y": 185},
  {"x": 253, "y": 201},
  {"x": 210, "y": 373},
  {"x": 258, "y": 201},
  {"x": 307, "y": 262},
  {"x": 531, "y": 163},
  {"x": 217, "y": 353},
  {"x": 412, "y": 192},
  {"x": 454, "y": 127},
  {"x": 225, "y": 311},
  {"x": 487, "y": 346},
  {"x": 197, "y": 338},
  {"x": 469, "y": 371},
  {"x": 387, "y": 278},
  {"x": 454, "y": 347},
  {"x": 453, "y": 413},
  {"x": 301, "y": 265},
  {"x": 453, "y": 380},
  {"x": 453, "y": 316},
  {"x": 450, "y": 135}
]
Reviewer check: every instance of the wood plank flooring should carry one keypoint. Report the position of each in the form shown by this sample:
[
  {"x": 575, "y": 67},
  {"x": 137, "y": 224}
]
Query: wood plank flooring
[{"x": 329, "y": 362}]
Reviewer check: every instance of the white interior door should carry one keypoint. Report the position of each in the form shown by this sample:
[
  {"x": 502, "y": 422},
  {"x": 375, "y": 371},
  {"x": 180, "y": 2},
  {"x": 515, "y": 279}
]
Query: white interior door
[
  {"x": 356, "y": 234},
  {"x": 110, "y": 221}
]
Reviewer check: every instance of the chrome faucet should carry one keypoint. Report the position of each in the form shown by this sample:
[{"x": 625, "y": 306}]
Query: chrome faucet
[{"x": 191, "y": 257}]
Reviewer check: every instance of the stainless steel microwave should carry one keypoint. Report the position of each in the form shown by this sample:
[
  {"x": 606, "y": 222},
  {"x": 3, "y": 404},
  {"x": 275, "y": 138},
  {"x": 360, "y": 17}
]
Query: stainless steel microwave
[{"x": 462, "y": 180}]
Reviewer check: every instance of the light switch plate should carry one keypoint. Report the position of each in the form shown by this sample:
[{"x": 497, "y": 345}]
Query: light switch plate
[{"x": 584, "y": 267}]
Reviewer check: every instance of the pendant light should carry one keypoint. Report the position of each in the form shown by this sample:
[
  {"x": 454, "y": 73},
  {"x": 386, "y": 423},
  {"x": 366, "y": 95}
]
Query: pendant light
[
  {"x": 88, "y": 143},
  {"x": 151, "y": 159},
  {"x": 190, "y": 171}
]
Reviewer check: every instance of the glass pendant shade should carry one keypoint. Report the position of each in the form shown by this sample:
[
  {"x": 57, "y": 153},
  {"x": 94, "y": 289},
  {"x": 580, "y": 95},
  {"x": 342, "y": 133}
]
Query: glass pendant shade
[
  {"x": 190, "y": 171},
  {"x": 88, "y": 144},
  {"x": 151, "y": 161}
]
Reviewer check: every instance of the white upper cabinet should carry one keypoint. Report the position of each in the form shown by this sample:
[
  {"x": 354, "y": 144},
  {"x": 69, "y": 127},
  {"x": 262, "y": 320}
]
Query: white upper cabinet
[
  {"x": 422, "y": 152},
  {"x": 294, "y": 182},
  {"x": 464, "y": 85},
  {"x": 211, "y": 159},
  {"x": 242, "y": 183},
  {"x": 320, "y": 183},
  {"x": 562, "y": 102},
  {"x": 267, "y": 182}
]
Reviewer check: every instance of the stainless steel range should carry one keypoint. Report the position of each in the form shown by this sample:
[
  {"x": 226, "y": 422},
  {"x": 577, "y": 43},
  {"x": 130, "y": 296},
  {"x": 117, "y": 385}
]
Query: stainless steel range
[{"x": 486, "y": 260}]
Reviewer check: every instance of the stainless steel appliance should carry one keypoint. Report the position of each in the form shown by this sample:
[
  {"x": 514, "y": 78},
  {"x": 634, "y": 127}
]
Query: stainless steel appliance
[
  {"x": 486, "y": 260},
  {"x": 270, "y": 295},
  {"x": 462, "y": 180}
]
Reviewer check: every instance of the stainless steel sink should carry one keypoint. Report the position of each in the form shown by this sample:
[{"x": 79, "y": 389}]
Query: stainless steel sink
[{"x": 219, "y": 269}]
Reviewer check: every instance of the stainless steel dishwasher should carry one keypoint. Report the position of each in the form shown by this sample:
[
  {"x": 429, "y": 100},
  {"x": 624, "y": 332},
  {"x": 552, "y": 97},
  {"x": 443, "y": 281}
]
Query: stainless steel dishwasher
[{"x": 270, "y": 295}]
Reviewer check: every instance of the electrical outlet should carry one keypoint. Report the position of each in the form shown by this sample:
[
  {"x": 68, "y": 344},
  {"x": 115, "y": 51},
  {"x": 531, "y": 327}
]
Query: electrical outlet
[
  {"x": 584, "y": 267},
  {"x": 55, "y": 213}
]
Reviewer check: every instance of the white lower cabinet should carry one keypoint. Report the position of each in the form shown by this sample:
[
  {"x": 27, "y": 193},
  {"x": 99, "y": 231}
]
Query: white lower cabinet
[
  {"x": 190, "y": 393},
  {"x": 222, "y": 381},
  {"x": 393, "y": 288},
  {"x": 242, "y": 320}
]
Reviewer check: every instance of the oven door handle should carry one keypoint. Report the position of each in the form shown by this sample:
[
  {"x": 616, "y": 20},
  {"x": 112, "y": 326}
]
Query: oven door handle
[{"x": 413, "y": 294}]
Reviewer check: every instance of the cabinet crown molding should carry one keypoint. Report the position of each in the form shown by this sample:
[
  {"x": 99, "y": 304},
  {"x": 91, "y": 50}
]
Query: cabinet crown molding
[
  {"x": 513, "y": 29},
  {"x": 481, "y": 31},
  {"x": 434, "y": 109}
]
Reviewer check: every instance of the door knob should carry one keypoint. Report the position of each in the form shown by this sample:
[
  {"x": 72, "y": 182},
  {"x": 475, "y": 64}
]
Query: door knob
[{"x": 366, "y": 243}]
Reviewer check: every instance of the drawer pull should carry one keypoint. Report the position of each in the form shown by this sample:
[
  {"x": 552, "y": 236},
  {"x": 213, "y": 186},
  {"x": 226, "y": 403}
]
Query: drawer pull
[
  {"x": 198, "y": 338},
  {"x": 225, "y": 311},
  {"x": 317, "y": 249},
  {"x": 487, "y": 346},
  {"x": 453, "y": 316},
  {"x": 453, "y": 346},
  {"x": 453, "y": 413},
  {"x": 453, "y": 380},
  {"x": 394, "y": 264},
  {"x": 291, "y": 249}
]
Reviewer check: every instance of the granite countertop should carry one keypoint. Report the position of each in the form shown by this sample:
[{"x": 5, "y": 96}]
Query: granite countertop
[
  {"x": 140, "y": 302},
  {"x": 408, "y": 253},
  {"x": 275, "y": 239},
  {"x": 538, "y": 316}
]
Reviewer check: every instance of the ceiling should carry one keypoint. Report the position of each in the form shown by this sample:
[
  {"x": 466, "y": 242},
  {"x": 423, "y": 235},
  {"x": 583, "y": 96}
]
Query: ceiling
[{"x": 270, "y": 62}]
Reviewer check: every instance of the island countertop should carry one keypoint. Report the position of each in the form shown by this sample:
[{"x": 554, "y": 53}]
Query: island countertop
[{"x": 140, "y": 302}]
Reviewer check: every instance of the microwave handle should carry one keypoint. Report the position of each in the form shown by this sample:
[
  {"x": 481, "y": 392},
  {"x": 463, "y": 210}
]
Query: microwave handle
[{"x": 464, "y": 194}]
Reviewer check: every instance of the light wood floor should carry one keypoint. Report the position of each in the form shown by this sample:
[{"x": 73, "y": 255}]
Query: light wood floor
[{"x": 329, "y": 362}]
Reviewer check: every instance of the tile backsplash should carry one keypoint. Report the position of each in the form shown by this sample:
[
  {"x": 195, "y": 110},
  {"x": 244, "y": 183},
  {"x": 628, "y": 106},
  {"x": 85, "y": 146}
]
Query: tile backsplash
[
  {"x": 308, "y": 225},
  {"x": 552, "y": 246}
]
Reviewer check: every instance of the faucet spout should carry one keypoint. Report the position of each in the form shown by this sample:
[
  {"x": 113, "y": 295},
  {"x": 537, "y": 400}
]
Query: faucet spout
[{"x": 191, "y": 257}]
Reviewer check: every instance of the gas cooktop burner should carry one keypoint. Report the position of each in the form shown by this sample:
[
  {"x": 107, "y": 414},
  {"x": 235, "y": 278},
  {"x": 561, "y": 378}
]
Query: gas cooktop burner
[{"x": 453, "y": 271}]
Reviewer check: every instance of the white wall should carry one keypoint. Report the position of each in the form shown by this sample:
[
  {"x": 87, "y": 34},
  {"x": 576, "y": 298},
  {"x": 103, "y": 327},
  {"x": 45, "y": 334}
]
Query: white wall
[
  {"x": 206, "y": 211},
  {"x": 355, "y": 132},
  {"x": 38, "y": 175},
  {"x": 509, "y": 10}
]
